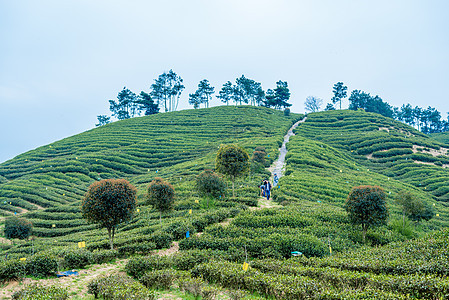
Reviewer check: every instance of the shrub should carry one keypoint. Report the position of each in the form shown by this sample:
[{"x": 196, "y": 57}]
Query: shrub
[
  {"x": 192, "y": 286},
  {"x": 12, "y": 269},
  {"x": 162, "y": 239},
  {"x": 210, "y": 185},
  {"x": 17, "y": 228},
  {"x": 236, "y": 294},
  {"x": 159, "y": 278},
  {"x": 42, "y": 264},
  {"x": 209, "y": 293},
  {"x": 76, "y": 259},
  {"x": 137, "y": 266},
  {"x": 179, "y": 228},
  {"x": 37, "y": 292},
  {"x": 287, "y": 112},
  {"x": 142, "y": 247},
  {"x": 119, "y": 287},
  {"x": 102, "y": 256}
]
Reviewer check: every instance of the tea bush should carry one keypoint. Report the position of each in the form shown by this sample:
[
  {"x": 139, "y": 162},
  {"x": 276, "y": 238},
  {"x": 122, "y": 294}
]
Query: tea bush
[
  {"x": 37, "y": 292},
  {"x": 119, "y": 287},
  {"x": 42, "y": 264}
]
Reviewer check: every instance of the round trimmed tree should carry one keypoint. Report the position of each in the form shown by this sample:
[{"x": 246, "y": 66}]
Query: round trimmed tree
[
  {"x": 108, "y": 203},
  {"x": 210, "y": 185},
  {"x": 17, "y": 228},
  {"x": 161, "y": 195},
  {"x": 366, "y": 206},
  {"x": 232, "y": 161}
]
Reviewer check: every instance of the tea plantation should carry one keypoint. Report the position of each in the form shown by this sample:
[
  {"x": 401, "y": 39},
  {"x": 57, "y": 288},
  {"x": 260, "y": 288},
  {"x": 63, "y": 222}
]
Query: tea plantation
[{"x": 330, "y": 153}]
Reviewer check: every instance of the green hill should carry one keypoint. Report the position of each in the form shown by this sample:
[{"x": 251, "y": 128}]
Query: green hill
[
  {"x": 47, "y": 184},
  {"x": 442, "y": 137},
  {"x": 330, "y": 153}
]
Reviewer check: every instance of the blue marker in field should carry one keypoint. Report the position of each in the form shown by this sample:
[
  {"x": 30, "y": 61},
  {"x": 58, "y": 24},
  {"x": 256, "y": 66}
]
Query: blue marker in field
[{"x": 187, "y": 234}]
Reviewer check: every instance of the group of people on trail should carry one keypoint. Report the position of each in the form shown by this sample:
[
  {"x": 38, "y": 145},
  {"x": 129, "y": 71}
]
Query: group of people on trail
[{"x": 265, "y": 187}]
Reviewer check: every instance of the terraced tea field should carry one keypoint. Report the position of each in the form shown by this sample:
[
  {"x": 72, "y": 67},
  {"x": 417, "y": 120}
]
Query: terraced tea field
[
  {"x": 330, "y": 153},
  {"x": 47, "y": 184}
]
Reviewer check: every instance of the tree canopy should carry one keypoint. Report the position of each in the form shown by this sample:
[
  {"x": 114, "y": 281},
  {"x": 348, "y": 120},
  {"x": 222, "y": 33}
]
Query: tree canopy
[
  {"x": 17, "y": 228},
  {"x": 210, "y": 185},
  {"x": 232, "y": 161},
  {"x": 108, "y": 203},
  {"x": 340, "y": 93},
  {"x": 161, "y": 195},
  {"x": 366, "y": 206},
  {"x": 167, "y": 89}
]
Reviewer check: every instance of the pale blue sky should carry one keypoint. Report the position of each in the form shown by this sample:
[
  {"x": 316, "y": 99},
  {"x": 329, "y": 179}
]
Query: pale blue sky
[{"x": 60, "y": 61}]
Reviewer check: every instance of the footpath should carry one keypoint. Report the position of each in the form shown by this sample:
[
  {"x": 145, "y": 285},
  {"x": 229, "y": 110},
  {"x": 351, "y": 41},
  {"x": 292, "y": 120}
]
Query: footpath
[{"x": 278, "y": 167}]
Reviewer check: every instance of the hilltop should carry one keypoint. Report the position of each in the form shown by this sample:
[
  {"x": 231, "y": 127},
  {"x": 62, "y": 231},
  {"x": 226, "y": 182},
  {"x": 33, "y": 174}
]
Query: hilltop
[{"x": 329, "y": 154}]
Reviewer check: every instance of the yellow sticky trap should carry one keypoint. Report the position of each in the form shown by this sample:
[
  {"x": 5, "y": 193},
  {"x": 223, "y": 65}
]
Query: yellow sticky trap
[
  {"x": 138, "y": 210},
  {"x": 330, "y": 249},
  {"x": 341, "y": 171},
  {"x": 63, "y": 194},
  {"x": 438, "y": 215},
  {"x": 81, "y": 244},
  {"x": 190, "y": 211},
  {"x": 434, "y": 204},
  {"x": 197, "y": 201},
  {"x": 54, "y": 225},
  {"x": 23, "y": 259},
  {"x": 245, "y": 266}
]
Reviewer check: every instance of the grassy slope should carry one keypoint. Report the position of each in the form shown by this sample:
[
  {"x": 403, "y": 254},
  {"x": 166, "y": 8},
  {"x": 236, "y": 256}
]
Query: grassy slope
[
  {"x": 442, "y": 137},
  {"x": 334, "y": 151},
  {"x": 326, "y": 158},
  {"x": 46, "y": 185}
]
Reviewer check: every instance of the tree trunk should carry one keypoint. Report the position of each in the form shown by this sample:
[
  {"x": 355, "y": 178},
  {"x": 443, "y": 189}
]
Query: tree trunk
[{"x": 111, "y": 237}]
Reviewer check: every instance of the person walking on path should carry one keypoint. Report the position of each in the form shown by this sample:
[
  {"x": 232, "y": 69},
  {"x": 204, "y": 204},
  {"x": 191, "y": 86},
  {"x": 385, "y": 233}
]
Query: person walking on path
[
  {"x": 267, "y": 189},
  {"x": 275, "y": 179}
]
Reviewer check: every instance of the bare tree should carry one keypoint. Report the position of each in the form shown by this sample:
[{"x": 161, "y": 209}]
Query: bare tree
[{"x": 313, "y": 103}]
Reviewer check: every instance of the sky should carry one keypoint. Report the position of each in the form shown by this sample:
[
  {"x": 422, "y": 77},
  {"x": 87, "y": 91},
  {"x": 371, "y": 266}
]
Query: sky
[{"x": 61, "y": 61}]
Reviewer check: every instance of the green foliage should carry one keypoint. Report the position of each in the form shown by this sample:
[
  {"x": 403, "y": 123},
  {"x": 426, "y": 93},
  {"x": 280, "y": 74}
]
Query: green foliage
[
  {"x": 210, "y": 185},
  {"x": 138, "y": 266},
  {"x": 119, "y": 287},
  {"x": 232, "y": 161},
  {"x": 193, "y": 286},
  {"x": 340, "y": 93},
  {"x": 76, "y": 259},
  {"x": 50, "y": 182},
  {"x": 366, "y": 206},
  {"x": 38, "y": 292},
  {"x": 161, "y": 195},
  {"x": 42, "y": 264},
  {"x": 17, "y": 228},
  {"x": 159, "y": 279},
  {"x": 109, "y": 202},
  {"x": 12, "y": 269},
  {"x": 414, "y": 208}
]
